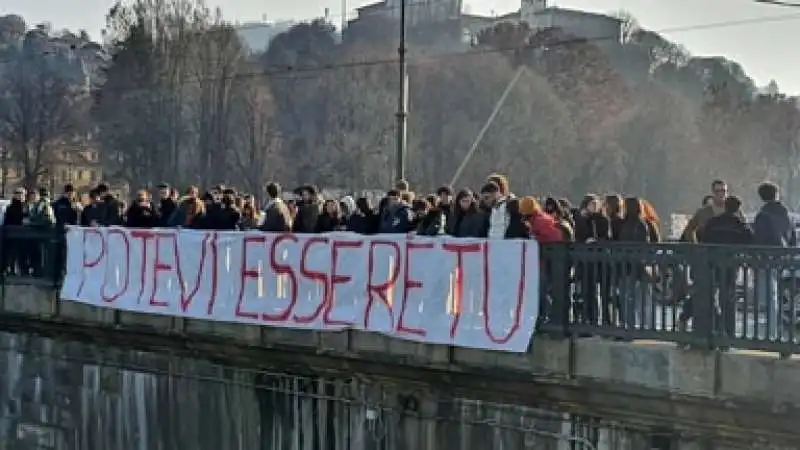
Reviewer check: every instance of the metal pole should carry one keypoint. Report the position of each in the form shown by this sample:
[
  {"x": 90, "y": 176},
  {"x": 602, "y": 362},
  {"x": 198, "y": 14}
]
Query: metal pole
[
  {"x": 402, "y": 100},
  {"x": 4, "y": 174},
  {"x": 486, "y": 125}
]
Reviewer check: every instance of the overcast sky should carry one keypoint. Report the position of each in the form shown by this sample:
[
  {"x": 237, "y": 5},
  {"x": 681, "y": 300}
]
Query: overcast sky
[{"x": 767, "y": 48}]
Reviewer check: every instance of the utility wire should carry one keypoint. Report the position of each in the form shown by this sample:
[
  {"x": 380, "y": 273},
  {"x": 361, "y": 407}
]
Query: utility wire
[
  {"x": 291, "y": 71},
  {"x": 778, "y": 3}
]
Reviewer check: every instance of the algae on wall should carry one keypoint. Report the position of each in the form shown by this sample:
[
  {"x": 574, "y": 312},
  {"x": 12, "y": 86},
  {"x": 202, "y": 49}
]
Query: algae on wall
[{"x": 65, "y": 395}]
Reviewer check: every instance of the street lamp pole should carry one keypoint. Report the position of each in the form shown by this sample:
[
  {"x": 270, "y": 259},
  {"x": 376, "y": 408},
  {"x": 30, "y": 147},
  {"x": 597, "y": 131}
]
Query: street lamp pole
[{"x": 402, "y": 100}]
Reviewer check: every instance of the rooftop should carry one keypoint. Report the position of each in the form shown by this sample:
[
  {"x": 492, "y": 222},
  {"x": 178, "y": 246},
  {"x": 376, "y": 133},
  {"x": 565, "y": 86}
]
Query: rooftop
[{"x": 550, "y": 10}]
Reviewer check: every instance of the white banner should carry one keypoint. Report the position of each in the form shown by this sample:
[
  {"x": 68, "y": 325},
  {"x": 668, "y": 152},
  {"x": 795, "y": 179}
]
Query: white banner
[{"x": 465, "y": 292}]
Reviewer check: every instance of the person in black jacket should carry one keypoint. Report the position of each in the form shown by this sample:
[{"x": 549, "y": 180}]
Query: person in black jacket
[
  {"x": 141, "y": 213},
  {"x": 591, "y": 224},
  {"x": 517, "y": 227},
  {"x": 727, "y": 228},
  {"x": 467, "y": 220},
  {"x": 228, "y": 214},
  {"x": 92, "y": 213},
  {"x": 166, "y": 205},
  {"x": 331, "y": 218},
  {"x": 363, "y": 220},
  {"x": 636, "y": 298},
  {"x": 109, "y": 208},
  {"x": 396, "y": 216},
  {"x": 433, "y": 221},
  {"x": 66, "y": 209},
  {"x": 444, "y": 202},
  {"x": 14, "y": 217},
  {"x": 591, "y": 227},
  {"x": 308, "y": 209},
  {"x": 633, "y": 227},
  {"x": 772, "y": 227}
]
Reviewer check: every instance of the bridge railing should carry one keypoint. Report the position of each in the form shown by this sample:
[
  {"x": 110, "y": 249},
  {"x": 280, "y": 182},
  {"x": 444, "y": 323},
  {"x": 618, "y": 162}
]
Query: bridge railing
[
  {"x": 30, "y": 255},
  {"x": 698, "y": 295}
]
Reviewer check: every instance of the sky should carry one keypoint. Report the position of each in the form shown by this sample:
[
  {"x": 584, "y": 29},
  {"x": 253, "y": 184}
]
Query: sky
[{"x": 765, "y": 40}]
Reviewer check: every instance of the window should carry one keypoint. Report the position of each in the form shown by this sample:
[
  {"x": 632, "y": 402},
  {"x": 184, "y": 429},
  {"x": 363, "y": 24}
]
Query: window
[
  {"x": 65, "y": 175},
  {"x": 93, "y": 175}
]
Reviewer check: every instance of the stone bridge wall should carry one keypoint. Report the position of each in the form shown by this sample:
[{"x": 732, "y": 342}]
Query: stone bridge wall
[
  {"x": 731, "y": 397},
  {"x": 67, "y": 395}
]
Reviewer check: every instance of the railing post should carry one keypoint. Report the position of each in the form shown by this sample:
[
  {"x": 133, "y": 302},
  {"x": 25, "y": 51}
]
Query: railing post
[
  {"x": 3, "y": 262},
  {"x": 702, "y": 295},
  {"x": 559, "y": 279},
  {"x": 58, "y": 253}
]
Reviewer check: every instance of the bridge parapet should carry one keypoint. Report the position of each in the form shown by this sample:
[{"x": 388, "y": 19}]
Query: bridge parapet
[{"x": 640, "y": 381}]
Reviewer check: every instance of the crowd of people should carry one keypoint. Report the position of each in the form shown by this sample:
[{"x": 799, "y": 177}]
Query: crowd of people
[{"x": 493, "y": 212}]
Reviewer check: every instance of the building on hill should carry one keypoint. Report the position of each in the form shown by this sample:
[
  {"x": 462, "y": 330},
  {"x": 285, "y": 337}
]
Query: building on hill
[
  {"x": 443, "y": 14},
  {"x": 433, "y": 26},
  {"x": 539, "y": 15},
  {"x": 258, "y": 35},
  {"x": 417, "y": 12}
]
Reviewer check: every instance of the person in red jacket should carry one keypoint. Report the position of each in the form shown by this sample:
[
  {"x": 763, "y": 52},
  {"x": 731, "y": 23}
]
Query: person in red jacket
[{"x": 541, "y": 225}]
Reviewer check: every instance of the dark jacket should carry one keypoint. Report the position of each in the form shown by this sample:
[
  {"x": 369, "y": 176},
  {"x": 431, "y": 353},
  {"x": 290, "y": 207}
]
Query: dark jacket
[
  {"x": 276, "y": 217},
  {"x": 93, "y": 213},
  {"x": 307, "y": 215},
  {"x": 433, "y": 223},
  {"x": 109, "y": 213},
  {"x": 517, "y": 225},
  {"x": 166, "y": 208},
  {"x": 141, "y": 216},
  {"x": 615, "y": 227},
  {"x": 397, "y": 218},
  {"x": 363, "y": 223},
  {"x": 773, "y": 227},
  {"x": 517, "y": 229},
  {"x": 465, "y": 224},
  {"x": 228, "y": 218},
  {"x": 199, "y": 221},
  {"x": 66, "y": 212},
  {"x": 728, "y": 229},
  {"x": 215, "y": 218},
  {"x": 327, "y": 223},
  {"x": 15, "y": 212},
  {"x": 178, "y": 216},
  {"x": 593, "y": 226},
  {"x": 634, "y": 229}
]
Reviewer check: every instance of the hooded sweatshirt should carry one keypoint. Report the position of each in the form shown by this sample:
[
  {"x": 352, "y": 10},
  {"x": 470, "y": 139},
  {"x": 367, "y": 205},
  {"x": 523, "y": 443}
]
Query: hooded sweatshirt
[{"x": 773, "y": 227}]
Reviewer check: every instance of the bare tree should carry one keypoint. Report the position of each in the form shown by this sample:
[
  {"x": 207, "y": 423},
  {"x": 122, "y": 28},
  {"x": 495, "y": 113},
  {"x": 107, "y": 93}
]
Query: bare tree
[
  {"x": 217, "y": 55},
  {"x": 142, "y": 107},
  {"x": 253, "y": 152},
  {"x": 43, "y": 101}
]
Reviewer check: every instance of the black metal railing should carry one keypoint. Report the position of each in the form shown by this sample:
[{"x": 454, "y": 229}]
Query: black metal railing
[
  {"x": 698, "y": 295},
  {"x": 703, "y": 296},
  {"x": 31, "y": 255}
]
